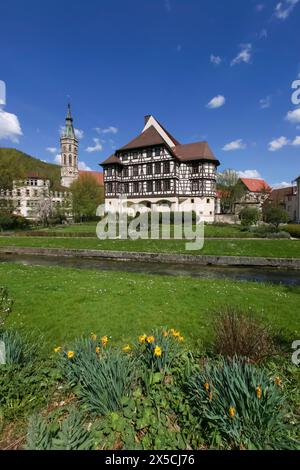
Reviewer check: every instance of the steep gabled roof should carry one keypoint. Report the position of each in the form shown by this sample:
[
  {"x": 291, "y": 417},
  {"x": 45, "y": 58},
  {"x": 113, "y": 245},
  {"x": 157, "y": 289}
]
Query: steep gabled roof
[
  {"x": 255, "y": 185},
  {"x": 147, "y": 138},
  {"x": 112, "y": 159},
  {"x": 194, "y": 151},
  {"x": 95, "y": 174}
]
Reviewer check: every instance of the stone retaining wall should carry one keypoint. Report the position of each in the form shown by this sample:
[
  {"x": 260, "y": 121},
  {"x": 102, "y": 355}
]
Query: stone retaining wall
[{"x": 207, "y": 260}]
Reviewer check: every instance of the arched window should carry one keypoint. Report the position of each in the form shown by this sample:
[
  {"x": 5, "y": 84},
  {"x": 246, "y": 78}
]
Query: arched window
[
  {"x": 70, "y": 160},
  {"x": 70, "y": 148},
  {"x": 65, "y": 160}
]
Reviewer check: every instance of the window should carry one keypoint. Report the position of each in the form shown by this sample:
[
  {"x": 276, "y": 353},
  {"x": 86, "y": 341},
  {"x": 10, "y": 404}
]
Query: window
[
  {"x": 158, "y": 185},
  {"x": 167, "y": 185},
  {"x": 195, "y": 185},
  {"x": 18, "y": 192},
  {"x": 109, "y": 171},
  {"x": 192, "y": 201},
  {"x": 35, "y": 193},
  {"x": 109, "y": 188},
  {"x": 149, "y": 169},
  {"x": 166, "y": 167},
  {"x": 157, "y": 167},
  {"x": 70, "y": 148},
  {"x": 149, "y": 152},
  {"x": 149, "y": 186},
  {"x": 126, "y": 188},
  {"x": 135, "y": 187},
  {"x": 208, "y": 201},
  {"x": 157, "y": 151},
  {"x": 125, "y": 172},
  {"x": 125, "y": 156},
  {"x": 65, "y": 159},
  {"x": 70, "y": 160},
  {"x": 135, "y": 170},
  {"x": 27, "y": 192},
  {"x": 195, "y": 168}
]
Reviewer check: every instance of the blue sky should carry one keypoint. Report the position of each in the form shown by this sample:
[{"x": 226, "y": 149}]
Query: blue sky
[{"x": 213, "y": 70}]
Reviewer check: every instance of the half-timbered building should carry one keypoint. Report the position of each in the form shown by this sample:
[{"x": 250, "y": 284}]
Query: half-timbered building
[{"x": 158, "y": 171}]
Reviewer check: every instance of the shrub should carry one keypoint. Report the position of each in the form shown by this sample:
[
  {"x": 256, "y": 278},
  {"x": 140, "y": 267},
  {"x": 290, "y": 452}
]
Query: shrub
[
  {"x": 275, "y": 215},
  {"x": 241, "y": 404},
  {"x": 104, "y": 376},
  {"x": 281, "y": 234},
  {"x": 249, "y": 216},
  {"x": 237, "y": 333},
  {"x": 20, "y": 348},
  {"x": 13, "y": 222},
  {"x": 159, "y": 350},
  {"x": 5, "y": 306},
  {"x": 292, "y": 229}
]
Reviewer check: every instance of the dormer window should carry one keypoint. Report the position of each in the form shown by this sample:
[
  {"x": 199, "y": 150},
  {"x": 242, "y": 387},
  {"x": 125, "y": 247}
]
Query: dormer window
[{"x": 149, "y": 152}]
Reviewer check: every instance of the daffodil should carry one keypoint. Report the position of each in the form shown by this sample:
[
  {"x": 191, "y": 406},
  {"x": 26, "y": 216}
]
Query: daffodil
[
  {"x": 231, "y": 412},
  {"x": 157, "y": 351},
  {"x": 180, "y": 339},
  {"x": 258, "y": 392},
  {"x": 93, "y": 336},
  {"x": 150, "y": 339},
  {"x": 97, "y": 350},
  {"x": 206, "y": 386},
  {"x": 278, "y": 381},
  {"x": 104, "y": 340},
  {"x": 127, "y": 348},
  {"x": 58, "y": 349},
  {"x": 210, "y": 396},
  {"x": 70, "y": 354},
  {"x": 165, "y": 333},
  {"x": 176, "y": 334},
  {"x": 142, "y": 339}
]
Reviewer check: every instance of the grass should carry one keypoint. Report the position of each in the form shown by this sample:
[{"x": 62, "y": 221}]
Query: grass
[
  {"x": 61, "y": 303},
  {"x": 226, "y": 231},
  {"x": 264, "y": 248}
]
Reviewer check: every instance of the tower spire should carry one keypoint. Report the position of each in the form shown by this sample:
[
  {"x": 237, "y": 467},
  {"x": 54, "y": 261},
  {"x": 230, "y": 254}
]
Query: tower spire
[{"x": 69, "y": 151}]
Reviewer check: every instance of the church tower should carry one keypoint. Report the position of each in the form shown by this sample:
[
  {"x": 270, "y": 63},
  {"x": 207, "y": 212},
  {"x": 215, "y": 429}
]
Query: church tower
[{"x": 69, "y": 152}]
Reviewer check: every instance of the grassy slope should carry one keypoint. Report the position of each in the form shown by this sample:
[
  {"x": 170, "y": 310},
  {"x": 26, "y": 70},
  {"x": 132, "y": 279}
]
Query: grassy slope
[
  {"x": 16, "y": 165},
  {"x": 265, "y": 248},
  {"x": 61, "y": 303}
]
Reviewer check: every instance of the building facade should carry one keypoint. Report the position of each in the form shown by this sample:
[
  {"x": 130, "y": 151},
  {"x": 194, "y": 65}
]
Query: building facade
[
  {"x": 33, "y": 196},
  {"x": 158, "y": 171},
  {"x": 298, "y": 200},
  {"x": 287, "y": 199},
  {"x": 255, "y": 192}
]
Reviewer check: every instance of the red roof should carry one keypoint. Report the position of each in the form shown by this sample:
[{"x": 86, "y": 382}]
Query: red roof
[
  {"x": 95, "y": 174},
  {"x": 256, "y": 185}
]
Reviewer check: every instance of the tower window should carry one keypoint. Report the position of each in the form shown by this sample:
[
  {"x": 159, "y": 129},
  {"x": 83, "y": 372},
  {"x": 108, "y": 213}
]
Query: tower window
[
  {"x": 70, "y": 159},
  {"x": 65, "y": 160},
  {"x": 70, "y": 148}
]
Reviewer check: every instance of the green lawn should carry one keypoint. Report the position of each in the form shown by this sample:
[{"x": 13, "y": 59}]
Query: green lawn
[
  {"x": 61, "y": 303},
  {"x": 226, "y": 231},
  {"x": 265, "y": 248}
]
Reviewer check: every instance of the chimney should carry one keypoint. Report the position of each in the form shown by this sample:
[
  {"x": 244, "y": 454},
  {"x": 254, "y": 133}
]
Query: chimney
[{"x": 146, "y": 118}]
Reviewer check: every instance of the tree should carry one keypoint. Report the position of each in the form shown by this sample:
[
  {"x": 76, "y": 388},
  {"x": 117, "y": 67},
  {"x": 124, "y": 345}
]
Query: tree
[
  {"x": 249, "y": 216},
  {"x": 276, "y": 215},
  {"x": 44, "y": 211},
  {"x": 230, "y": 190},
  {"x": 86, "y": 197}
]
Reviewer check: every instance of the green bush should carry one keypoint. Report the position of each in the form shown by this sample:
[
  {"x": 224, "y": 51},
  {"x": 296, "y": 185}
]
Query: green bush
[
  {"x": 240, "y": 404},
  {"x": 275, "y": 215},
  {"x": 249, "y": 216},
  {"x": 13, "y": 222},
  {"x": 292, "y": 229},
  {"x": 102, "y": 378}
]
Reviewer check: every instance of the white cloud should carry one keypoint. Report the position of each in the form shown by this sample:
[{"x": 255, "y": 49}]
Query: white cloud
[
  {"x": 263, "y": 34},
  {"x": 244, "y": 55},
  {"x": 9, "y": 127},
  {"x": 167, "y": 4},
  {"x": 79, "y": 133},
  {"x": 277, "y": 144},
  {"x": 96, "y": 148},
  {"x": 265, "y": 102},
  {"x": 234, "y": 145},
  {"x": 284, "y": 8},
  {"x": 293, "y": 116},
  {"x": 215, "y": 59},
  {"x": 51, "y": 149},
  {"x": 84, "y": 166},
  {"x": 57, "y": 159},
  {"x": 296, "y": 141},
  {"x": 283, "y": 184},
  {"x": 107, "y": 130},
  {"x": 216, "y": 102},
  {"x": 249, "y": 174}
]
